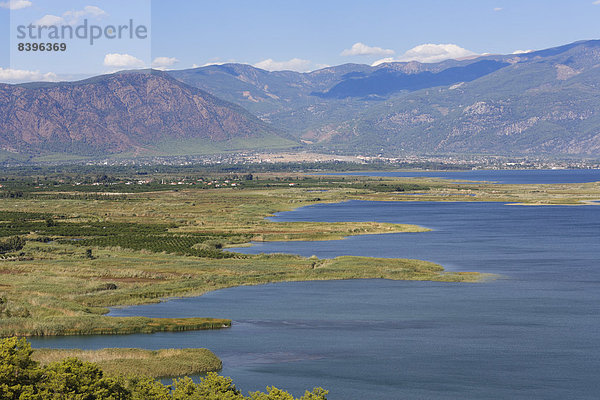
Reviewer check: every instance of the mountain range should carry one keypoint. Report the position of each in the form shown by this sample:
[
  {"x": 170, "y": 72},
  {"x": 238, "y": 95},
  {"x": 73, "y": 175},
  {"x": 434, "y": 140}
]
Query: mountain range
[
  {"x": 537, "y": 103},
  {"x": 130, "y": 113}
]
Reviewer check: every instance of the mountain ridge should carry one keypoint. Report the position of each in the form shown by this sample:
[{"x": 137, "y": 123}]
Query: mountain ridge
[
  {"x": 373, "y": 116},
  {"x": 543, "y": 102},
  {"x": 119, "y": 113}
]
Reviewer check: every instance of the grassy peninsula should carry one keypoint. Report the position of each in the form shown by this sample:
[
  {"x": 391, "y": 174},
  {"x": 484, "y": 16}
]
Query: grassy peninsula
[
  {"x": 86, "y": 247},
  {"x": 152, "y": 363}
]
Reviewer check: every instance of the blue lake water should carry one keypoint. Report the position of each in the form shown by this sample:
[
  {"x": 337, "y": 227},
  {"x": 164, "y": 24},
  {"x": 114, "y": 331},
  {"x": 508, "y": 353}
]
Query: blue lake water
[
  {"x": 498, "y": 176},
  {"x": 533, "y": 334}
]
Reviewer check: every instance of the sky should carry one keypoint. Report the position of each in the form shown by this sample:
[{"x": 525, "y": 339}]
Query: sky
[{"x": 278, "y": 34}]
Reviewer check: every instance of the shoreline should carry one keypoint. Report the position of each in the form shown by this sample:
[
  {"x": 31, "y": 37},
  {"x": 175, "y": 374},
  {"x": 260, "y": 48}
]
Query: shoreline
[
  {"x": 339, "y": 268},
  {"x": 143, "y": 277}
]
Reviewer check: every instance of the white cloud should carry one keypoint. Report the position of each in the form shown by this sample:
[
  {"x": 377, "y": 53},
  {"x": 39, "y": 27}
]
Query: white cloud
[
  {"x": 164, "y": 62},
  {"x": 16, "y": 4},
  {"x": 215, "y": 61},
  {"x": 50, "y": 19},
  {"x": 524, "y": 51},
  {"x": 72, "y": 17},
  {"x": 295, "y": 64},
  {"x": 122, "y": 61},
  {"x": 208, "y": 64},
  {"x": 597, "y": 2},
  {"x": 361, "y": 49},
  {"x": 500, "y": 8},
  {"x": 430, "y": 53},
  {"x": 89, "y": 11},
  {"x": 384, "y": 60},
  {"x": 21, "y": 75}
]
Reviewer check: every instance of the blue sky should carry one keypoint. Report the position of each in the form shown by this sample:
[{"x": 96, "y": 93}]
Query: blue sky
[{"x": 300, "y": 35}]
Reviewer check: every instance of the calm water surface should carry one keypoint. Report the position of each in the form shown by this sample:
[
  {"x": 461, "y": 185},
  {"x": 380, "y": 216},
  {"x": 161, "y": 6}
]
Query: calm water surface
[
  {"x": 498, "y": 176},
  {"x": 534, "y": 334}
]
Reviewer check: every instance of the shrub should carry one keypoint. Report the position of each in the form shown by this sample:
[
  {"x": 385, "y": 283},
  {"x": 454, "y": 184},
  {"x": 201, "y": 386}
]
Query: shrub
[{"x": 14, "y": 243}]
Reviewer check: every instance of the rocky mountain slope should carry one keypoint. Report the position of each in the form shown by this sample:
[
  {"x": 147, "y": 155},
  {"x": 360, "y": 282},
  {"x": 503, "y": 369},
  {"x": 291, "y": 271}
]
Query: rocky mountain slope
[
  {"x": 141, "y": 113},
  {"x": 539, "y": 103},
  {"x": 543, "y": 102}
]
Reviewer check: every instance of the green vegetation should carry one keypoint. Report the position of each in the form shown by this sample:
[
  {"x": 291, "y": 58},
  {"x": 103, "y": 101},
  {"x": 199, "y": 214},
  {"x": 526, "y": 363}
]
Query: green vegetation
[
  {"x": 56, "y": 290},
  {"x": 82, "y": 255},
  {"x": 152, "y": 363},
  {"x": 152, "y": 237},
  {"x": 14, "y": 243},
  {"x": 23, "y": 378},
  {"x": 20, "y": 320}
]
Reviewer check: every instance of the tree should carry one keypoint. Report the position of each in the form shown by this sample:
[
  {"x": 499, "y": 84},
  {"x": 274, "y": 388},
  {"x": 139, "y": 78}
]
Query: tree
[
  {"x": 19, "y": 374},
  {"x": 211, "y": 387},
  {"x": 78, "y": 380},
  {"x": 277, "y": 394},
  {"x": 272, "y": 394},
  {"x": 317, "y": 393},
  {"x": 143, "y": 388}
]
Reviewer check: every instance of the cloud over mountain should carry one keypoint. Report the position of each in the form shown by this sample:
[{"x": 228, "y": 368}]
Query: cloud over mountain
[
  {"x": 361, "y": 49},
  {"x": 20, "y": 75},
  {"x": 294, "y": 64},
  {"x": 430, "y": 53},
  {"x": 122, "y": 61},
  {"x": 164, "y": 62}
]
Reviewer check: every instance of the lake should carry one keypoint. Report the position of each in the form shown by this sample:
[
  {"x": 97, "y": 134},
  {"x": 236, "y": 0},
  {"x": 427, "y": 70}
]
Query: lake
[
  {"x": 498, "y": 176},
  {"x": 533, "y": 333}
]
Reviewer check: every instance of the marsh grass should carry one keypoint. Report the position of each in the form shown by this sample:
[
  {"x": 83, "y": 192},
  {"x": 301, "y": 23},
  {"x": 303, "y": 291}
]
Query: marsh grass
[
  {"x": 153, "y": 363},
  {"x": 83, "y": 324},
  {"x": 68, "y": 295},
  {"x": 52, "y": 287}
]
